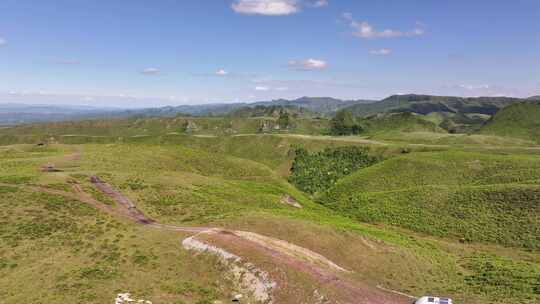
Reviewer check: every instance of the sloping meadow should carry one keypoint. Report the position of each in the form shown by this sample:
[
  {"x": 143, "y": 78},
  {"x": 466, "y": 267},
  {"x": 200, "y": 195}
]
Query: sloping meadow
[{"x": 473, "y": 197}]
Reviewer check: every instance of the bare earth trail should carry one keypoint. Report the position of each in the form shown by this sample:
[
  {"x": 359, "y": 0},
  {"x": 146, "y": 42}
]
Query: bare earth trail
[{"x": 283, "y": 255}]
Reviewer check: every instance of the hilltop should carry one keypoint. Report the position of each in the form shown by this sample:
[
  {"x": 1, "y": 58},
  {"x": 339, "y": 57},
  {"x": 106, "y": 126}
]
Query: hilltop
[
  {"x": 323, "y": 105},
  {"x": 458, "y": 219},
  {"x": 426, "y": 104},
  {"x": 398, "y": 122},
  {"x": 11, "y": 114},
  {"x": 273, "y": 112},
  {"x": 454, "y": 114},
  {"x": 521, "y": 120}
]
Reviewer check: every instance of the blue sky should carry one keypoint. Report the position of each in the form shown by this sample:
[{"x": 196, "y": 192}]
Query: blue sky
[{"x": 146, "y": 53}]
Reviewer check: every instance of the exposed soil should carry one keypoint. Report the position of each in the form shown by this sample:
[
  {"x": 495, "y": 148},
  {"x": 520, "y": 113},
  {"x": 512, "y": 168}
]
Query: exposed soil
[
  {"x": 282, "y": 253},
  {"x": 289, "y": 200}
]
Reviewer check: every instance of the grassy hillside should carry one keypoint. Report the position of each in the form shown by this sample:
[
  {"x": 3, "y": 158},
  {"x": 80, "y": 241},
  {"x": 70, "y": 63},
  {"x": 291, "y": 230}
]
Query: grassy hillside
[
  {"x": 323, "y": 105},
  {"x": 521, "y": 120},
  {"x": 59, "y": 250},
  {"x": 273, "y": 112},
  {"x": 425, "y": 104},
  {"x": 398, "y": 123},
  {"x": 464, "y": 195},
  {"x": 454, "y": 114},
  {"x": 87, "y": 257},
  {"x": 123, "y": 129},
  {"x": 486, "y": 199}
]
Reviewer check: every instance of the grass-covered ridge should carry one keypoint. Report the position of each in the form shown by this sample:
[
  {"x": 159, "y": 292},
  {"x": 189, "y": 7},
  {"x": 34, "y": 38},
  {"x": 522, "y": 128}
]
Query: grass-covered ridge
[
  {"x": 486, "y": 198},
  {"x": 521, "y": 120},
  {"x": 471, "y": 196},
  {"x": 399, "y": 123}
]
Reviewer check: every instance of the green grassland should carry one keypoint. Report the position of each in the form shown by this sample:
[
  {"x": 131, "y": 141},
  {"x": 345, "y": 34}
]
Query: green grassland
[
  {"x": 520, "y": 120},
  {"x": 477, "y": 197},
  {"x": 457, "y": 217},
  {"x": 399, "y": 123},
  {"x": 59, "y": 250}
]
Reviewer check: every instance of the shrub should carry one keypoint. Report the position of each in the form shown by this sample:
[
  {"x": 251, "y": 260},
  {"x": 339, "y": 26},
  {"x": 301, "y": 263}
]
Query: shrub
[
  {"x": 319, "y": 171},
  {"x": 344, "y": 123}
]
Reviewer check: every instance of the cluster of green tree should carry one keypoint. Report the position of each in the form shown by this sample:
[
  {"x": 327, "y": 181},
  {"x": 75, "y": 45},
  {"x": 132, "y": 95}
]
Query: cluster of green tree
[
  {"x": 284, "y": 121},
  {"x": 344, "y": 123},
  {"x": 313, "y": 172}
]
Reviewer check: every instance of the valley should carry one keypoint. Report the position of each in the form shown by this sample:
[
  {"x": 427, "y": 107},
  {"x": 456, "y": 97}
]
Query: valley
[{"x": 127, "y": 201}]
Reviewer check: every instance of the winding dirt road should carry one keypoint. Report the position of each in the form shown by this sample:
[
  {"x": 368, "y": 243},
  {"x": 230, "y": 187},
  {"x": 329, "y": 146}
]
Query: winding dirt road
[{"x": 325, "y": 273}]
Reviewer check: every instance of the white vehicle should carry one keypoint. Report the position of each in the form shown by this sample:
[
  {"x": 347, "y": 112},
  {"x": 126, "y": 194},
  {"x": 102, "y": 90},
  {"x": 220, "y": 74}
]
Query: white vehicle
[{"x": 433, "y": 300}]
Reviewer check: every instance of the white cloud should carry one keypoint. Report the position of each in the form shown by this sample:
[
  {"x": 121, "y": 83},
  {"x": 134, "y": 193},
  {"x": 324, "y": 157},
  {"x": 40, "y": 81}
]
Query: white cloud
[
  {"x": 150, "y": 71},
  {"x": 474, "y": 87},
  {"x": 308, "y": 64},
  {"x": 381, "y": 52},
  {"x": 266, "y": 7},
  {"x": 320, "y": 3},
  {"x": 262, "y": 88},
  {"x": 281, "y": 89},
  {"x": 3, "y": 42},
  {"x": 275, "y": 7},
  {"x": 365, "y": 30},
  {"x": 222, "y": 72}
]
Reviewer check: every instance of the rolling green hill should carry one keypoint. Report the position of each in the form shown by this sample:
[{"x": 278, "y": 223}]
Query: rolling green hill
[
  {"x": 477, "y": 197},
  {"x": 425, "y": 104},
  {"x": 398, "y": 123},
  {"x": 434, "y": 222},
  {"x": 323, "y": 105},
  {"x": 138, "y": 127},
  {"x": 456, "y": 114},
  {"x": 521, "y": 120},
  {"x": 273, "y": 112}
]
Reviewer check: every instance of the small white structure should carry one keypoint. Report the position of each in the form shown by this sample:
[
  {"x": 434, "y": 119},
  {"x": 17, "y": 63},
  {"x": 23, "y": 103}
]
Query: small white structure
[
  {"x": 433, "y": 300},
  {"x": 125, "y": 298}
]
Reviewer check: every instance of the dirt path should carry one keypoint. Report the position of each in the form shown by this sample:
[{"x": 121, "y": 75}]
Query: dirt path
[{"x": 282, "y": 254}]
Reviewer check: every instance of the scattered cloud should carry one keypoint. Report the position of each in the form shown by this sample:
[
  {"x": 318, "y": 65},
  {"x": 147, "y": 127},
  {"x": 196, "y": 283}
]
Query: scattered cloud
[
  {"x": 381, "y": 52},
  {"x": 274, "y": 7},
  {"x": 222, "y": 72},
  {"x": 3, "y": 42},
  {"x": 474, "y": 87},
  {"x": 266, "y": 88},
  {"x": 266, "y": 7},
  {"x": 308, "y": 64},
  {"x": 320, "y": 3},
  {"x": 483, "y": 89},
  {"x": 365, "y": 30},
  {"x": 150, "y": 71}
]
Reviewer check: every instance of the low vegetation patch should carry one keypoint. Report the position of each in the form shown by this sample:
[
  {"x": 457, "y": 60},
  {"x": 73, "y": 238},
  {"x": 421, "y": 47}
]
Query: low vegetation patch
[
  {"x": 504, "y": 278},
  {"x": 314, "y": 172}
]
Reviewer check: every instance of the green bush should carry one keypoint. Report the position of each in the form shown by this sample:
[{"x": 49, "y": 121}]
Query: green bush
[
  {"x": 315, "y": 172},
  {"x": 502, "y": 277},
  {"x": 344, "y": 123}
]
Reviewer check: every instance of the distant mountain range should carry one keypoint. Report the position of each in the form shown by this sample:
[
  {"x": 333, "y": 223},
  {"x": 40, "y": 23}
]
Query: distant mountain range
[
  {"x": 17, "y": 114},
  {"x": 273, "y": 111},
  {"x": 426, "y": 104},
  {"x": 452, "y": 112},
  {"x": 11, "y": 114}
]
